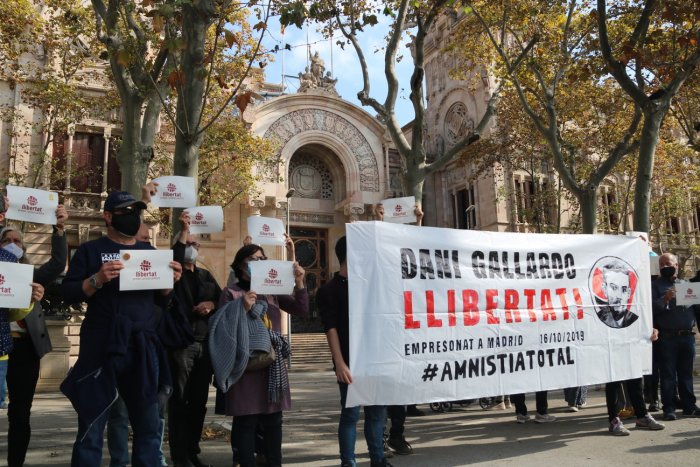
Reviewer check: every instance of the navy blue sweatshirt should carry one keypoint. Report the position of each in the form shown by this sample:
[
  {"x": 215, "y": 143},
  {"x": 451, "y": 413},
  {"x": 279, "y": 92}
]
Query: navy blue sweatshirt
[{"x": 670, "y": 317}]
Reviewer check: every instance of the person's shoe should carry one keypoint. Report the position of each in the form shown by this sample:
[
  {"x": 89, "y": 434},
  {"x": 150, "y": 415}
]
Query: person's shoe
[
  {"x": 544, "y": 418},
  {"x": 573, "y": 408},
  {"x": 182, "y": 463},
  {"x": 388, "y": 453},
  {"x": 383, "y": 463},
  {"x": 497, "y": 406},
  {"x": 413, "y": 411},
  {"x": 670, "y": 416},
  {"x": 347, "y": 464},
  {"x": 508, "y": 405},
  {"x": 3, "y": 405},
  {"x": 695, "y": 413},
  {"x": 648, "y": 423},
  {"x": 627, "y": 412},
  {"x": 197, "y": 462},
  {"x": 260, "y": 459},
  {"x": 522, "y": 418},
  {"x": 654, "y": 406},
  {"x": 617, "y": 428},
  {"x": 399, "y": 445},
  {"x": 582, "y": 405}
]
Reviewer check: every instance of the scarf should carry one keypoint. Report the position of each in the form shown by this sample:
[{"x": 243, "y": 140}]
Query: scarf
[{"x": 277, "y": 379}]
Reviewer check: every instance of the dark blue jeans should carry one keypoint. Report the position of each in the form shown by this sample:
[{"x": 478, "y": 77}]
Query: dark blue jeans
[
  {"x": 145, "y": 422},
  {"x": 375, "y": 415},
  {"x": 676, "y": 355}
]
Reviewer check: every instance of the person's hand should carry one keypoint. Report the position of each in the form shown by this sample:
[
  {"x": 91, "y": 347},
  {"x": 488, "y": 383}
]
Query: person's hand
[
  {"x": 289, "y": 245},
  {"x": 61, "y": 216},
  {"x": 342, "y": 373},
  {"x": 184, "y": 221},
  {"x": 37, "y": 292},
  {"x": 419, "y": 214},
  {"x": 298, "y": 275},
  {"x": 379, "y": 212},
  {"x": 204, "y": 308},
  {"x": 109, "y": 271},
  {"x": 670, "y": 294},
  {"x": 177, "y": 270},
  {"x": 247, "y": 240},
  {"x": 249, "y": 300},
  {"x": 148, "y": 191},
  {"x": 654, "y": 335}
]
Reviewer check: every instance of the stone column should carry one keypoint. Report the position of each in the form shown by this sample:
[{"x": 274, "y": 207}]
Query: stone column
[
  {"x": 105, "y": 161},
  {"x": 255, "y": 206},
  {"x": 354, "y": 210},
  {"x": 69, "y": 156},
  {"x": 55, "y": 364}
]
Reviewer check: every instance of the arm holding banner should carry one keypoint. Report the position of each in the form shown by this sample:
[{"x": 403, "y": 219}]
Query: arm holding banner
[{"x": 50, "y": 270}]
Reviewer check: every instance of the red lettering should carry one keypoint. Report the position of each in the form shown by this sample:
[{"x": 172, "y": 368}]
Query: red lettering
[
  {"x": 470, "y": 301},
  {"x": 511, "y": 306},
  {"x": 433, "y": 322},
  {"x": 579, "y": 303},
  {"x": 491, "y": 304},
  {"x": 451, "y": 317},
  {"x": 546, "y": 305},
  {"x": 530, "y": 294},
  {"x": 410, "y": 323},
  {"x": 562, "y": 299}
]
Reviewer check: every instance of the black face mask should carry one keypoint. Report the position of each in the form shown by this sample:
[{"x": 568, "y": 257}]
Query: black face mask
[
  {"x": 127, "y": 224},
  {"x": 668, "y": 272}
]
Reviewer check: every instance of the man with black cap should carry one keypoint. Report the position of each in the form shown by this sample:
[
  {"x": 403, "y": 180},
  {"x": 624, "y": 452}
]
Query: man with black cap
[{"x": 120, "y": 353}]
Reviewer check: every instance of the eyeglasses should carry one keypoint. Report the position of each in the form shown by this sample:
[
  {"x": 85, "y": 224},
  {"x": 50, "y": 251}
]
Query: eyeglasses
[{"x": 256, "y": 258}]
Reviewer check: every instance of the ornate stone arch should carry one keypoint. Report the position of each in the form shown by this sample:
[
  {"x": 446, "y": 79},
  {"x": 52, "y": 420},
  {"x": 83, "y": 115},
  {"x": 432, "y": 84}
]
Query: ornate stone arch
[{"x": 299, "y": 122}]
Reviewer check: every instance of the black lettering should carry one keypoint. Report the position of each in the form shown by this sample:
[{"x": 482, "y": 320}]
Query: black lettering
[
  {"x": 442, "y": 264},
  {"x": 494, "y": 267},
  {"x": 427, "y": 271},
  {"x": 544, "y": 266},
  {"x": 531, "y": 266},
  {"x": 455, "y": 264},
  {"x": 569, "y": 266},
  {"x": 478, "y": 265},
  {"x": 408, "y": 264},
  {"x": 504, "y": 266},
  {"x": 557, "y": 266}
]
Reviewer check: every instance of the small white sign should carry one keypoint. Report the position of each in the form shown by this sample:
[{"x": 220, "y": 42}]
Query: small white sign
[
  {"x": 688, "y": 293},
  {"x": 174, "y": 192},
  {"x": 206, "y": 219},
  {"x": 400, "y": 210},
  {"x": 266, "y": 230},
  {"x": 146, "y": 270},
  {"x": 15, "y": 285},
  {"x": 32, "y": 205},
  {"x": 272, "y": 277}
]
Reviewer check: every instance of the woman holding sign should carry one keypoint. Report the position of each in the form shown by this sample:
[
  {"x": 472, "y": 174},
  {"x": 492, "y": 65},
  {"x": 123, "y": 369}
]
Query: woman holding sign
[
  {"x": 249, "y": 400},
  {"x": 30, "y": 339}
]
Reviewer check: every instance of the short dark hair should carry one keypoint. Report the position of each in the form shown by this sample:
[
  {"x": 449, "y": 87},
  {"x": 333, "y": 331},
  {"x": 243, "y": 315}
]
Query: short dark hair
[
  {"x": 341, "y": 249},
  {"x": 241, "y": 255}
]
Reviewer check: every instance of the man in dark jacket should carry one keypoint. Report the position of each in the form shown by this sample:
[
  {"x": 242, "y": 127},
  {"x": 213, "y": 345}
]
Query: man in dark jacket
[
  {"x": 30, "y": 343},
  {"x": 197, "y": 292}
]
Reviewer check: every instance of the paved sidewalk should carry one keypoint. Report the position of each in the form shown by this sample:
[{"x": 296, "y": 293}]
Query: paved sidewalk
[{"x": 463, "y": 436}]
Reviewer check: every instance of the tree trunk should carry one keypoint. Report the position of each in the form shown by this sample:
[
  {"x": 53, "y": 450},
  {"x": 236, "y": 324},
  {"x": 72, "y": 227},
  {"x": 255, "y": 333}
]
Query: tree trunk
[
  {"x": 134, "y": 153},
  {"x": 645, "y": 167},
  {"x": 589, "y": 210},
  {"x": 414, "y": 179}
]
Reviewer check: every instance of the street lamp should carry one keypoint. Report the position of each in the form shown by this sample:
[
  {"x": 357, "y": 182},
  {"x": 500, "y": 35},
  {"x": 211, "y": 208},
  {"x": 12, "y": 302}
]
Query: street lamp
[
  {"x": 467, "y": 216},
  {"x": 289, "y": 195}
]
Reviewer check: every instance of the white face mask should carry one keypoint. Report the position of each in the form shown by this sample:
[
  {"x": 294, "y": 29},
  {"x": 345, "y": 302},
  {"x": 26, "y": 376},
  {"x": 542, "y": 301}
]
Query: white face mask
[
  {"x": 15, "y": 250},
  {"x": 190, "y": 254}
]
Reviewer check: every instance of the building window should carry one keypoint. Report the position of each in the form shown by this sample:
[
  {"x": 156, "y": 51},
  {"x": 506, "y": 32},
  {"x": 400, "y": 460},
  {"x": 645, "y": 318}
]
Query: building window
[
  {"x": 533, "y": 201},
  {"x": 87, "y": 164},
  {"x": 610, "y": 209},
  {"x": 310, "y": 177},
  {"x": 465, "y": 208}
]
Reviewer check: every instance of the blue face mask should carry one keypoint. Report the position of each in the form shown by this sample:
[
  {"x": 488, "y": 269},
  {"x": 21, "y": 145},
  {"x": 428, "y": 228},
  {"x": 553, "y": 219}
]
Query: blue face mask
[{"x": 14, "y": 250}]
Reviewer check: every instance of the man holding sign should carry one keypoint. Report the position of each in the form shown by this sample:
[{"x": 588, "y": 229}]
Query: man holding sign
[{"x": 120, "y": 353}]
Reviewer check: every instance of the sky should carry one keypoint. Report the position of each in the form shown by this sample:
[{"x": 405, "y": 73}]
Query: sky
[{"x": 345, "y": 65}]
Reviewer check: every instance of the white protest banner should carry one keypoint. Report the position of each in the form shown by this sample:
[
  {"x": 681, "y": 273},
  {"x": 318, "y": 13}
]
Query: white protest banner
[
  {"x": 688, "y": 293},
  {"x": 266, "y": 230},
  {"x": 272, "y": 277},
  {"x": 146, "y": 270},
  {"x": 15, "y": 285},
  {"x": 206, "y": 219},
  {"x": 445, "y": 314},
  {"x": 174, "y": 192},
  {"x": 31, "y": 205},
  {"x": 400, "y": 210}
]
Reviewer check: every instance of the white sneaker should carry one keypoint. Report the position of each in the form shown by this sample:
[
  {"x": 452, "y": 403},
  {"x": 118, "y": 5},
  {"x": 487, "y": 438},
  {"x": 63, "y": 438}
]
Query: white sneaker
[
  {"x": 573, "y": 408},
  {"x": 617, "y": 428},
  {"x": 544, "y": 418},
  {"x": 522, "y": 418}
]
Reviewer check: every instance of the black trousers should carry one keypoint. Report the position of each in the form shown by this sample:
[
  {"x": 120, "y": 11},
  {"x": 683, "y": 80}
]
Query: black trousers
[
  {"x": 636, "y": 395},
  {"x": 243, "y": 438},
  {"x": 397, "y": 415},
  {"x": 22, "y": 376},
  {"x": 541, "y": 404},
  {"x": 192, "y": 374}
]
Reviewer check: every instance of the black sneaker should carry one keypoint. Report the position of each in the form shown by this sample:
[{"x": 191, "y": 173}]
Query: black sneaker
[
  {"x": 670, "y": 416},
  {"x": 400, "y": 445},
  {"x": 347, "y": 464},
  {"x": 695, "y": 413},
  {"x": 654, "y": 406},
  {"x": 413, "y": 411},
  {"x": 383, "y": 463}
]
